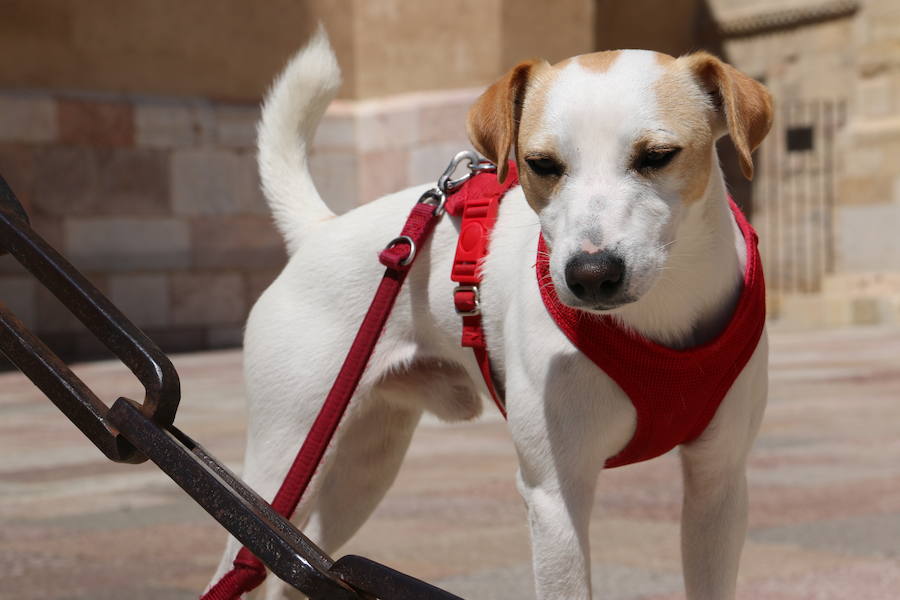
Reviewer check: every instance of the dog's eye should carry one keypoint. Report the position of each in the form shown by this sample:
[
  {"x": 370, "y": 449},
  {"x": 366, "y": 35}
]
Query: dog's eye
[
  {"x": 655, "y": 158},
  {"x": 544, "y": 166}
]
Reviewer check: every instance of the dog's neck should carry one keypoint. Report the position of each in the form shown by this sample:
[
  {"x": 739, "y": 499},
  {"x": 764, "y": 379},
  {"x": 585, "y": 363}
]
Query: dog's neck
[{"x": 694, "y": 297}]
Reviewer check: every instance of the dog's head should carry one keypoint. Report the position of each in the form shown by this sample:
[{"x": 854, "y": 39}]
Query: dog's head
[{"x": 611, "y": 147}]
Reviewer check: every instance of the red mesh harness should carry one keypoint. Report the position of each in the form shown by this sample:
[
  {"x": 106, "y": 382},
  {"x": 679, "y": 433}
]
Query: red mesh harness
[{"x": 674, "y": 392}]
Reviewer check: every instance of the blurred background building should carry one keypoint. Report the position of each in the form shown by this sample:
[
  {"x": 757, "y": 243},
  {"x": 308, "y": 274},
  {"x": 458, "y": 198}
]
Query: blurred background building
[{"x": 127, "y": 128}]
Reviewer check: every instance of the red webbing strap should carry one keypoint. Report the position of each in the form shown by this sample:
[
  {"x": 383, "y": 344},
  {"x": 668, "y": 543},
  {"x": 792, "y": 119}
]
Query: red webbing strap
[
  {"x": 478, "y": 203},
  {"x": 484, "y": 365},
  {"x": 249, "y": 572}
]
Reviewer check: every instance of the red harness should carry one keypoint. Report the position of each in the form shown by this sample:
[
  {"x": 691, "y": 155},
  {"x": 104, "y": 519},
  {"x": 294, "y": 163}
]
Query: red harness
[
  {"x": 674, "y": 392},
  {"x": 477, "y": 202}
]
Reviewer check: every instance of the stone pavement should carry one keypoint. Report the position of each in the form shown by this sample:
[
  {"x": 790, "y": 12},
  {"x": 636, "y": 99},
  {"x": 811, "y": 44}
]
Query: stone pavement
[{"x": 824, "y": 484}]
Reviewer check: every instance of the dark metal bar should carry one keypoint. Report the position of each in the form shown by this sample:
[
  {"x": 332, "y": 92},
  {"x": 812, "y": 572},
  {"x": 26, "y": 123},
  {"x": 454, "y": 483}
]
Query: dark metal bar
[
  {"x": 132, "y": 432},
  {"x": 288, "y": 553},
  {"x": 384, "y": 582},
  {"x": 62, "y": 387},
  {"x": 11, "y": 205},
  {"x": 152, "y": 368}
]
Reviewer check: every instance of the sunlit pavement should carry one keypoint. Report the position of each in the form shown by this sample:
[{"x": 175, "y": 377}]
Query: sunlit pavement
[{"x": 824, "y": 484}]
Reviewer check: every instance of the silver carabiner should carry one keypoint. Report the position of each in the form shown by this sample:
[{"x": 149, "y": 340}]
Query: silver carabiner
[
  {"x": 483, "y": 166},
  {"x": 448, "y": 185}
]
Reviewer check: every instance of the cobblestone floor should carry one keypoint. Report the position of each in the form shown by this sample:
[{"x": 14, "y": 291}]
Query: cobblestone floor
[{"x": 824, "y": 478}]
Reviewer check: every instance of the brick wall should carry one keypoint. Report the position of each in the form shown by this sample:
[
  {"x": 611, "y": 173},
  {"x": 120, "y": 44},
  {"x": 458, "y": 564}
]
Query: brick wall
[{"x": 157, "y": 200}]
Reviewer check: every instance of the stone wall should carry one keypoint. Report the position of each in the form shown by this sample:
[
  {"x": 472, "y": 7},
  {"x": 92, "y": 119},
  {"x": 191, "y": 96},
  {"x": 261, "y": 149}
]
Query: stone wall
[
  {"x": 232, "y": 48},
  {"x": 870, "y": 186},
  {"x": 157, "y": 200},
  {"x": 128, "y": 130},
  {"x": 852, "y": 58}
]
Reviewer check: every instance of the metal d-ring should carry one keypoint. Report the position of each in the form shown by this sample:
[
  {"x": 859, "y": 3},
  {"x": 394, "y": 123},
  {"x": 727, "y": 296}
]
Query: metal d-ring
[
  {"x": 435, "y": 198},
  {"x": 412, "y": 248},
  {"x": 476, "y": 300}
]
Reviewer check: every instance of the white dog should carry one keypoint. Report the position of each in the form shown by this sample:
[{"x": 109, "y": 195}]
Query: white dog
[{"x": 616, "y": 154}]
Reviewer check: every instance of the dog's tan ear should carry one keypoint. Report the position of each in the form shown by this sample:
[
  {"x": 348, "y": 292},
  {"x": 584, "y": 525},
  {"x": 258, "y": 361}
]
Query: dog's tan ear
[
  {"x": 493, "y": 121},
  {"x": 746, "y": 103}
]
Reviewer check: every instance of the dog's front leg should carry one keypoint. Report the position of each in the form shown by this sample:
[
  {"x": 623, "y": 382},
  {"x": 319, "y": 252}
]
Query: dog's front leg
[
  {"x": 714, "y": 514},
  {"x": 560, "y": 456},
  {"x": 559, "y": 509},
  {"x": 558, "y": 517},
  {"x": 713, "y": 526}
]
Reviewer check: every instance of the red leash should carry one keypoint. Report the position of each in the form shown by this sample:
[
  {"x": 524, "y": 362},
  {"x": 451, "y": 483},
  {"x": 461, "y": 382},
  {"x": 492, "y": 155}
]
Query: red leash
[{"x": 248, "y": 571}]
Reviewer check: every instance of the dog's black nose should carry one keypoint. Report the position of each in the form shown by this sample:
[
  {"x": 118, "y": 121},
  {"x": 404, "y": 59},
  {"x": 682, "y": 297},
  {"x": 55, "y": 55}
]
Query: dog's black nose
[{"x": 595, "y": 277}]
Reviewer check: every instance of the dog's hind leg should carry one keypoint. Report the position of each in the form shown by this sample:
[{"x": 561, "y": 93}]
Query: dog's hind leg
[
  {"x": 356, "y": 471},
  {"x": 359, "y": 469},
  {"x": 370, "y": 447}
]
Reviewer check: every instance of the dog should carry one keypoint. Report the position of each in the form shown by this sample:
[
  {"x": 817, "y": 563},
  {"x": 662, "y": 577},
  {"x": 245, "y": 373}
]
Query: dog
[{"x": 616, "y": 155}]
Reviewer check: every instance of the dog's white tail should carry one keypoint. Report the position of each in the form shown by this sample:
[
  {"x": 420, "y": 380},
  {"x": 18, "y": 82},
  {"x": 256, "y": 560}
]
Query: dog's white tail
[{"x": 290, "y": 114}]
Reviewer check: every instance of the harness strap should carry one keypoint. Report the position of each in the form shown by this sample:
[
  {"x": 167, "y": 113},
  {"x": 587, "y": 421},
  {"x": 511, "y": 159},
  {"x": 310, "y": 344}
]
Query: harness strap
[
  {"x": 248, "y": 571},
  {"x": 478, "y": 203}
]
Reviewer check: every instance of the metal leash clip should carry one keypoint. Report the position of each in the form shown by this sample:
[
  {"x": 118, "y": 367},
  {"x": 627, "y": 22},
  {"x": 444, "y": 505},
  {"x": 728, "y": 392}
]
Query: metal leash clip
[
  {"x": 475, "y": 165},
  {"x": 437, "y": 196}
]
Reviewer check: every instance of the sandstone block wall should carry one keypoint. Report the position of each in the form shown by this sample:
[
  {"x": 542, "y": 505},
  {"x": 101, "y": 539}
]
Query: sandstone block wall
[
  {"x": 851, "y": 60},
  {"x": 128, "y": 131},
  {"x": 134, "y": 150},
  {"x": 157, "y": 200}
]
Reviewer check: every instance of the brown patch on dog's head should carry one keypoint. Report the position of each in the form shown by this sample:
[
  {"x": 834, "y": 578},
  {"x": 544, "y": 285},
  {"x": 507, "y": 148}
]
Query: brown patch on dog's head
[
  {"x": 685, "y": 112},
  {"x": 743, "y": 104},
  {"x": 493, "y": 121},
  {"x": 533, "y": 140},
  {"x": 664, "y": 60},
  {"x": 599, "y": 62},
  {"x": 700, "y": 98}
]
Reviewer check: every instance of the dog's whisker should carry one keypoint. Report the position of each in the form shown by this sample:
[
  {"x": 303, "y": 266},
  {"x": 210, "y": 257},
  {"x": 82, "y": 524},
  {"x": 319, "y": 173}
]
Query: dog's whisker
[{"x": 666, "y": 245}]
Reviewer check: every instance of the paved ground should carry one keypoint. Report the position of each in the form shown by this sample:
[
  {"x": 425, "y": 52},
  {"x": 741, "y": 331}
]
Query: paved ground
[{"x": 825, "y": 493}]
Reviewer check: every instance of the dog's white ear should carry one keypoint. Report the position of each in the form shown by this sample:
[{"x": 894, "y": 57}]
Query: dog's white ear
[
  {"x": 493, "y": 121},
  {"x": 746, "y": 103}
]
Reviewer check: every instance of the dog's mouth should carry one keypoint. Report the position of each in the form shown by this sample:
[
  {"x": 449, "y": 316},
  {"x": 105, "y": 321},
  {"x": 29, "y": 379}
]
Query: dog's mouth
[
  {"x": 606, "y": 308},
  {"x": 594, "y": 305},
  {"x": 607, "y": 302},
  {"x": 601, "y": 308}
]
